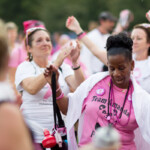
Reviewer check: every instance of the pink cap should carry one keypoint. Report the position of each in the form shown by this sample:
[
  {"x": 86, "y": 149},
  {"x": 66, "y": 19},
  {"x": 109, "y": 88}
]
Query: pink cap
[{"x": 32, "y": 23}]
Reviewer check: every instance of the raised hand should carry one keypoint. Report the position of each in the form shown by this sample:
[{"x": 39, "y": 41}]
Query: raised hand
[
  {"x": 48, "y": 73},
  {"x": 75, "y": 53},
  {"x": 73, "y": 25},
  {"x": 63, "y": 53},
  {"x": 126, "y": 17},
  {"x": 148, "y": 15}
]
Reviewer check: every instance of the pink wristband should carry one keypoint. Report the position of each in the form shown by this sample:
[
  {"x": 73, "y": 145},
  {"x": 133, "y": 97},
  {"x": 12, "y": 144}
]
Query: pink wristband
[
  {"x": 58, "y": 89},
  {"x": 81, "y": 35},
  {"x": 60, "y": 96}
]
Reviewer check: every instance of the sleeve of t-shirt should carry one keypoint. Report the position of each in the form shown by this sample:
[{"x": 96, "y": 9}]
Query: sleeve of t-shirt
[
  {"x": 66, "y": 70},
  {"x": 24, "y": 70},
  {"x": 14, "y": 58}
]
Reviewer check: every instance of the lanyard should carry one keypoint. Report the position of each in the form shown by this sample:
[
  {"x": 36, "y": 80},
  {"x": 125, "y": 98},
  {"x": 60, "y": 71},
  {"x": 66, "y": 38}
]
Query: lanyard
[{"x": 110, "y": 100}]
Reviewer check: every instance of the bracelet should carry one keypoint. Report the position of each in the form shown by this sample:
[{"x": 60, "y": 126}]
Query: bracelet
[
  {"x": 58, "y": 89},
  {"x": 81, "y": 35},
  {"x": 60, "y": 96},
  {"x": 75, "y": 68}
]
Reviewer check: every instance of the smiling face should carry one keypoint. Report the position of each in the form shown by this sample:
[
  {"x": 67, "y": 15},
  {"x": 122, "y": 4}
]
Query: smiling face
[
  {"x": 119, "y": 69},
  {"x": 140, "y": 42},
  {"x": 41, "y": 44}
]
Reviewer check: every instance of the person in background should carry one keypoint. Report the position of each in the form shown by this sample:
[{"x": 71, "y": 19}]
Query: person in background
[
  {"x": 55, "y": 39},
  {"x": 12, "y": 33},
  {"x": 141, "y": 50},
  {"x": 125, "y": 18},
  {"x": 98, "y": 37},
  {"x": 92, "y": 25},
  {"x": 14, "y": 134}
]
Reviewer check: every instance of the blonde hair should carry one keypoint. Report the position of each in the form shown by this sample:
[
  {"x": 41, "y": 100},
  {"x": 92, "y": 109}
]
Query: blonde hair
[{"x": 11, "y": 26}]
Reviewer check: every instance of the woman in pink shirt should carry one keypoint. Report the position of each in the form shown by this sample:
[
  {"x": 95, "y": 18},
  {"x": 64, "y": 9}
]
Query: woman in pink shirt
[
  {"x": 106, "y": 98},
  {"x": 109, "y": 101}
]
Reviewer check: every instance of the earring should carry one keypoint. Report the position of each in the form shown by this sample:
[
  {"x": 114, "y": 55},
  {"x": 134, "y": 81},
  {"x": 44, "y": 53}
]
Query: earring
[{"x": 30, "y": 56}]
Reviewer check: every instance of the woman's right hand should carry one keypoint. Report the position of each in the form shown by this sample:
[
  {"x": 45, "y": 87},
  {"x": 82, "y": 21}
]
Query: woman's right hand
[
  {"x": 48, "y": 73},
  {"x": 73, "y": 25},
  {"x": 63, "y": 53}
]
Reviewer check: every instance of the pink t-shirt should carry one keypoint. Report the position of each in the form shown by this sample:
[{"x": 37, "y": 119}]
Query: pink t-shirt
[
  {"x": 17, "y": 56},
  {"x": 95, "y": 110}
]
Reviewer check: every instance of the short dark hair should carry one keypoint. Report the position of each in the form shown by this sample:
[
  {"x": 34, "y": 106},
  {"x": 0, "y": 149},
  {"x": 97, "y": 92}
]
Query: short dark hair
[
  {"x": 107, "y": 16},
  {"x": 120, "y": 44}
]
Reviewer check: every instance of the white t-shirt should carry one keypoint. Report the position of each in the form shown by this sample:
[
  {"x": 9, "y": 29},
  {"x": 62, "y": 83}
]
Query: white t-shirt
[
  {"x": 141, "y": 73},
  {"x": 93, "y": 64},
  {"x": 38, "y": 109},
  {"x": 6, "y": 92}
]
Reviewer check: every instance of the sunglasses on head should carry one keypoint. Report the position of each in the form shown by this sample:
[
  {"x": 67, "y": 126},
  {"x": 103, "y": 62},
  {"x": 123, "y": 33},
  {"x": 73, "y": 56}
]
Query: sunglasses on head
[{"x": 30, "y": 30}]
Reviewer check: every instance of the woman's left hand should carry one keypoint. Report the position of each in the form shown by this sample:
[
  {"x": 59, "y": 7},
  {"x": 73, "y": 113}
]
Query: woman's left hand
[
  {"x": 48, "y": 73},
  {"x": 64, "y": 52},
  {"x": 75, "y": 53}
]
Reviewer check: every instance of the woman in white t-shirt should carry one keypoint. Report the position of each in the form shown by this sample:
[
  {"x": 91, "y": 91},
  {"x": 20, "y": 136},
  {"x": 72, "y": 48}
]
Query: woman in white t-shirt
[
  {"x": 37, "y": 106},
  {"x": 141, "y": 49}
]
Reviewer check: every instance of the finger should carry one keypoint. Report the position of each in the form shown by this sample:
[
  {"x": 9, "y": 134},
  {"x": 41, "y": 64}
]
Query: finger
[{"x": 68, "y": 21}]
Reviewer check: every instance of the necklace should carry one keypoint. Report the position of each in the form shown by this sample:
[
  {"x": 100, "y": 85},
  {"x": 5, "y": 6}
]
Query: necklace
[{"x": 111, "y": 100}]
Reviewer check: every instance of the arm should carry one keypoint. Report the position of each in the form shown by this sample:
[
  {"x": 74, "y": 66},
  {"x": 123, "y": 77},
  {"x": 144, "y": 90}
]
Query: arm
[
  {"x": 75, "y": 80},
  {"x": 63, "y": 53},
  {"x": 13, "y": 129},
  {"x": 63, "y": 101},
  {"x": 73, "y": 25},
  {"x": 27, "y": 79},
  {"x": 126, "y": 17},
  {"x": 34, "y": 84}
]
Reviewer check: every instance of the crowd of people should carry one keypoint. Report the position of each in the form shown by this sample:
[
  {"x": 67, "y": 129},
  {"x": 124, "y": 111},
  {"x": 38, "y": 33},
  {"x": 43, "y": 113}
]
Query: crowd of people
[{"x": 102, "y": 84}]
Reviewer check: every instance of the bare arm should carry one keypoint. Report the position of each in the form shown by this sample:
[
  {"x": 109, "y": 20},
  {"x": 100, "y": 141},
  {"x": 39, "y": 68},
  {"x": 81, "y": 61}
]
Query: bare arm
[
  {"x": 75, "y": 80},
  {"x": 63, "y": 101},
  {"x": 34, "y": 84},
  {"x": 14, "y": 133},
  {"x": 73, "y": 25}
]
